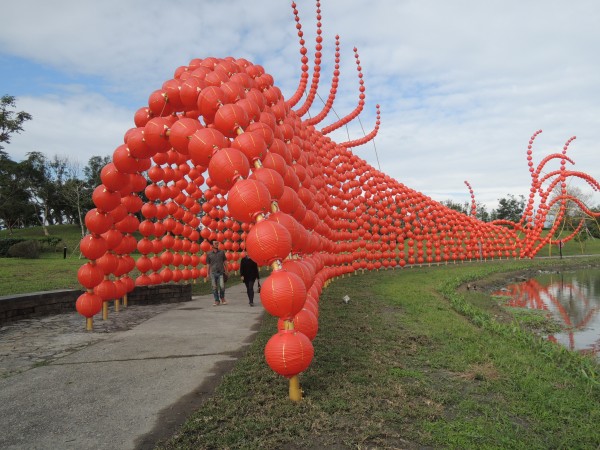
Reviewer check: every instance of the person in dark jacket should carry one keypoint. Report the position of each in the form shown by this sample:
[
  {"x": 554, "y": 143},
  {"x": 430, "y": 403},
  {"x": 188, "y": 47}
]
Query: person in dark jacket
[{"x": 249, "y": 274}]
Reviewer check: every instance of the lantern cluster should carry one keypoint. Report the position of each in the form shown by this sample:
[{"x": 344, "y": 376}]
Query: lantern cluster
[{"x": 219, "y": 154}]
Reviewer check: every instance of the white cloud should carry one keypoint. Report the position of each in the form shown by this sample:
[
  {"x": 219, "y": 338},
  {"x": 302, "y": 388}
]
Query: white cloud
[{"x": 462, "y": 85}]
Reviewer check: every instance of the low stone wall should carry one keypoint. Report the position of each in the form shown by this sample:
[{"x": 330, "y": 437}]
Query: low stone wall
[{"x": 36, "y": 304}]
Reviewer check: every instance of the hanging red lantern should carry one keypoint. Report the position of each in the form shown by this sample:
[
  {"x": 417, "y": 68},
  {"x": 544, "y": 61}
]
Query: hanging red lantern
[
  {"x": 289, "y": 352},
  {"x": 181, "y": 134},
  {"x": 247, "y": 199},
  {"x": 204, "y": 143},
  {"x": 275, "y": 162},
  {"x": 132, "y": 202},
  {"x": 271, "y": 179},
  {"x": 166, "y": 275},
  {"x": 268, "y": 241},
  {"x": 252, "y": 145},
  {"x": 289, "y": 202},
  {"x": 283, "y": 294},
  {"x": 93, "y": 247},
  {"x": 124, "y": 161},
  {"x": 113, "y": 238},
  {"x": 301, "y": 269},
  {"x": 158, "y": 103},
  {"x": 209, "y": 100},
  {"x": 108, "y": 263},
  {"x": 143, "y": 280},
  {"x": 88, "y": 304},
  {"x": 155, "y": 134},
  {"x": 97, "y": 221},
  {"x": 112, "y": 178},
  {"x": 306, "y": 323},
  {"x": 231, "y": 119},
  {"x": 90, "y": 275},
  {"x": 105, "y": 199},
  {"x": 144, "y": 264},
  {"x": 106, "y": 290},
  {"x": 227, "y": 166}
]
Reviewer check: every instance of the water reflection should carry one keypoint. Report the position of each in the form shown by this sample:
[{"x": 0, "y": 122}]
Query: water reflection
[{"x": 572, "y": 298}]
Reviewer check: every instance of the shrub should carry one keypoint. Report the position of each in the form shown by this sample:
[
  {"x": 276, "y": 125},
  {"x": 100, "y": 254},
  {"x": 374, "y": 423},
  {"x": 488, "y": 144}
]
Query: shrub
[
  {"x": 25, "y": 249},
  {"x": 50, "y": 243},
  {"x": 7, "y": 243}
]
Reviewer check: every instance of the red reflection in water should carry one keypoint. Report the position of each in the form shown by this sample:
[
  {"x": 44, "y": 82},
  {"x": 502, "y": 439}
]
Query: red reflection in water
[{"x": 572, "y": 306}]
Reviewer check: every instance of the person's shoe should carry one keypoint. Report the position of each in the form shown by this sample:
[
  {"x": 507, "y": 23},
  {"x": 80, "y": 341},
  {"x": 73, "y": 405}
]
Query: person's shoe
[
  {"x": 223, "y": 301},
  {"x": 216, "y": 304},
  {"x": 251, "y": 304}
]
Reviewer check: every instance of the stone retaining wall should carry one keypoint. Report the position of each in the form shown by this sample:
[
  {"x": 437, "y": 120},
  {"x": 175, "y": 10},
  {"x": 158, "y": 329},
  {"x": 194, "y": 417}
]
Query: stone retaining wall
[{"x": 36, "y": 304}]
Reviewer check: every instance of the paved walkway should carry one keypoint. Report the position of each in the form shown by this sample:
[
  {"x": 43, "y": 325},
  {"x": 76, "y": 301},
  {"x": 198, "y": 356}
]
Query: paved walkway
[{"x": 126, "y": 385}]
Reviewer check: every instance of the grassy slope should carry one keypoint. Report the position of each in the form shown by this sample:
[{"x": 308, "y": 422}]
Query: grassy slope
[{"x": 407, "y": 363}]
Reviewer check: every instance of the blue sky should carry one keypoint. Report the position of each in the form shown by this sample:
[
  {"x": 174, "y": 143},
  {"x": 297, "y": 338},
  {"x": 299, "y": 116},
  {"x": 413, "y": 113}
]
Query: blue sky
[{"x": 462, "y": 85}]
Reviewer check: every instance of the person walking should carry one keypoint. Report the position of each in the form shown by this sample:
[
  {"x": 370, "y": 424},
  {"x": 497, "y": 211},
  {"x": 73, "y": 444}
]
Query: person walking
[
  {"x": 217, "y": 270},
  {"x": 249, "y": 274}
]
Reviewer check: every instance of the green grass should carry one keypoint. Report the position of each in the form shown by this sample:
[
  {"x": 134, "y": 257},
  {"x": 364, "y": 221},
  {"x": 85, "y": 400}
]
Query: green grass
[
  {"x": 409, "y": 362},
  {"x": 52, "y": 271},
  {"x": 412, "y": 361},
  {"x": 70, "y": 235}
]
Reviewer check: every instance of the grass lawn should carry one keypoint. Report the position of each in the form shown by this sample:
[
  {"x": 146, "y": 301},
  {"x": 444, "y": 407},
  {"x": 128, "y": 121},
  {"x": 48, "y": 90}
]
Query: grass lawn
[{"x": 410, "y": 362}]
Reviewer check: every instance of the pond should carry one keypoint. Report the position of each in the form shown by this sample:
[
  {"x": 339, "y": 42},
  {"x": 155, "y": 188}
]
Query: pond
[{"x": 571, "y": 298}]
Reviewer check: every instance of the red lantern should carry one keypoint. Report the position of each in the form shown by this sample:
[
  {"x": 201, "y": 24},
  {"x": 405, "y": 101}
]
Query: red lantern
[
  {"x": 88, "y": 304},
  {"x": 209, "y": 100},
  {"x": 306, "y": 323},
  {"x": 268, "y": 241},
  {"x": 283, "y": 294},
  {"x": 289, "y": 202},
  {"x": 301, "y": 269},
  {"x": 93, "y": 247},
  {"x": 98, "y": 222},
  {"x": 106, "y": 290},
  {"x": 271, "y": 179},
  {"x": 90, "y": 275},
  {"x": 246, "y": 199},
  {"x": 155, "y": 134},
  {"x": 124, "y": 161},
  {"x": 181, "y": 134},
  {"x": 204, "y": 143},
  {"x": 108, "y": 263},
  {"x": 227, "y": 166},
  {"x": 112, "y": 178},
  {"x": 275, "y": 162},
  {"x": 231, "y": 119},
  {"x": 144, "y": 264},
  {"x": 143, "y": 280},
  {"x": 105, "y": 199},
  {"x": 289, "y": 352},
  {"x": 252, "y": 145}
]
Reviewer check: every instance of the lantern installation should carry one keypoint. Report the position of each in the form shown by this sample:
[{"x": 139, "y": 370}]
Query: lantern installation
[{"x": 220, "y": 154}]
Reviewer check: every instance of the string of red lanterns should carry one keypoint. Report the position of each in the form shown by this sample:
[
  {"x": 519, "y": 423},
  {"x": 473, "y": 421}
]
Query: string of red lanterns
[{"x": 221, "y": 155}]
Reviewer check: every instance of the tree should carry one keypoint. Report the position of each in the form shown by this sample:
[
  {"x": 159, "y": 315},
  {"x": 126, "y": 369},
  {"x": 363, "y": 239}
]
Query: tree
[
  {"x": 36, "y": 171},
  {"x": 76, "y": 195},
  {"x": 465, "y": 208},
  {"x": 92, "y": 171},
  {"x": 460, "y": 207},
  {"x": 509, "y": 208},
  {"x": 10, "y": 121},
  {"x": 15, "y": 207}
]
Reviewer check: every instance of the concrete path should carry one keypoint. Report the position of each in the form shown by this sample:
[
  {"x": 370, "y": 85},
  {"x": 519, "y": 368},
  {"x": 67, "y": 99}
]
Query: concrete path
[{"x": 131, "y": 388}]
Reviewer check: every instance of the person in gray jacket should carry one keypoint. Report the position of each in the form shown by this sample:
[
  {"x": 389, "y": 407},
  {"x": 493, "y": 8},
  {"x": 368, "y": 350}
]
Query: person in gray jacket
[{"x": 217, "y": 270}]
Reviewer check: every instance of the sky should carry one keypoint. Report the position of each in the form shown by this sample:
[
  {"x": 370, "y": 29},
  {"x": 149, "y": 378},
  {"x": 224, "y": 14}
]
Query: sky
[{"x": 462, "y": 85}]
